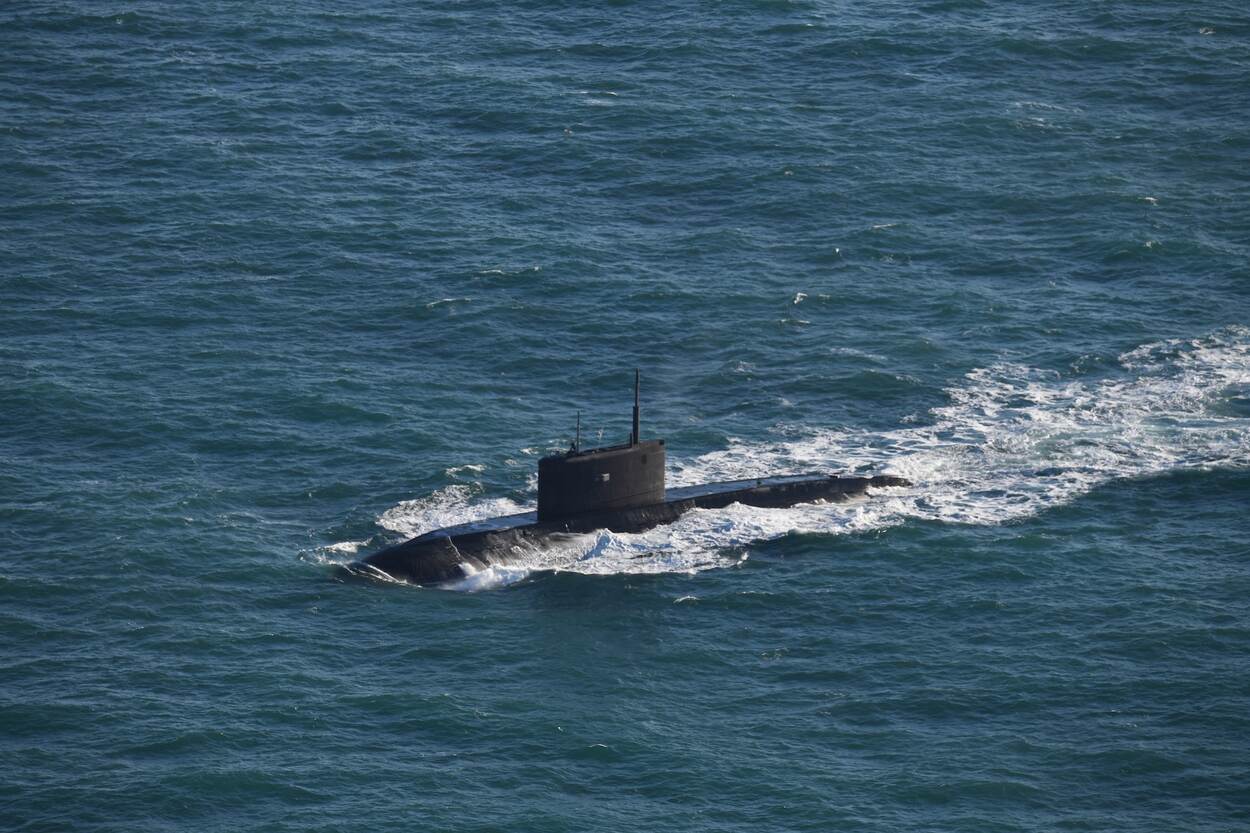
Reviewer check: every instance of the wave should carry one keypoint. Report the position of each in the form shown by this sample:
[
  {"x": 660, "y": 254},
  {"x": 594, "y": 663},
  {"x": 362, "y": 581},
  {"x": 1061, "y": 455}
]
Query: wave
[
  {"x": 448, "y": 506},
  {"x": 1011, "y": 442}
]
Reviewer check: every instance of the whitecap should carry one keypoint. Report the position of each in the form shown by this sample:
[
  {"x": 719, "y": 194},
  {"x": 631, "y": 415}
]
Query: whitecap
[
  {"x": 445, "y": 301},
  {"x": 472, "y": 468}
]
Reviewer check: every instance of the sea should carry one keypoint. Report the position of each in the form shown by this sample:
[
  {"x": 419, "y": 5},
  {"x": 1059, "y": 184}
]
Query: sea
[{"x": 282, "y": 284}]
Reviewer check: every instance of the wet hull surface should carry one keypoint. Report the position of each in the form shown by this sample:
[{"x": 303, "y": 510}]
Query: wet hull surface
[{"x": 453, "y": 552}]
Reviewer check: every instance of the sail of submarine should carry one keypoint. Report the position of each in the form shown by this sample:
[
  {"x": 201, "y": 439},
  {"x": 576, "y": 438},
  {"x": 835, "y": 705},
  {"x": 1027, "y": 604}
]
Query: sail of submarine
[{"x": 619, "y": 488}]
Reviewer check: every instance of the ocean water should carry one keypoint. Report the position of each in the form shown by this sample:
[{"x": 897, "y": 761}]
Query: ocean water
[{"x": 281, "y": 284}]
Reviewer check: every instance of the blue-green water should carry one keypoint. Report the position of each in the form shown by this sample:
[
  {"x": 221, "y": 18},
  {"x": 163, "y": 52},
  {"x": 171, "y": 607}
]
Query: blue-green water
[{"x": 282, "y": 284}]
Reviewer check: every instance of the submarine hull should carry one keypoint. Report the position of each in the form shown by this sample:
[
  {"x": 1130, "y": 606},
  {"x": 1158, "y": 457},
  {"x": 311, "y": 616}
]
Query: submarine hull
[{"x": 455, "y": 552}]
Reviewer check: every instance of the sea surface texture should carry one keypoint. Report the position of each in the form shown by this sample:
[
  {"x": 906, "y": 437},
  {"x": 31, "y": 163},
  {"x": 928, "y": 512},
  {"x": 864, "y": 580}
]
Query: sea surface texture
[{"x": 284, "y": 283}]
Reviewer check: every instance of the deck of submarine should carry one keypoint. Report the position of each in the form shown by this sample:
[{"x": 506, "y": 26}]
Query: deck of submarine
[{"x": 506, "y": 522}]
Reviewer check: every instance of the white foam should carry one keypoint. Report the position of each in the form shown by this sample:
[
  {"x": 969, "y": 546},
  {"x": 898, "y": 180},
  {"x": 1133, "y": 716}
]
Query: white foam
[
  {"x": 858, "y": 354},
  {"x": 444, "y": 301},
  {"x": 488, "y": 579},
  {"x": 335, "y": 554},
  {"x": 471, "y": 468},
  {"x": 1010, "y": 442},
  {"x": 344, "y": 547},
  {"x": 448, "y": 506}
]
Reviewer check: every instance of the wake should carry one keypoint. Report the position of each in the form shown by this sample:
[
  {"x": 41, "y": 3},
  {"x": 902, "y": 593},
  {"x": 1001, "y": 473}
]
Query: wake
[{"x": 1013, "y": 441}]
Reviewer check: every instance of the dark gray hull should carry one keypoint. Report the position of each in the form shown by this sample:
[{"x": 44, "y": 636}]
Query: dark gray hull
[{"x": 454, "y": 552}]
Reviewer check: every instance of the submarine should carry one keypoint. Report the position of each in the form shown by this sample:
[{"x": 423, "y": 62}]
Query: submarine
[{"x": 619, "y": 488}]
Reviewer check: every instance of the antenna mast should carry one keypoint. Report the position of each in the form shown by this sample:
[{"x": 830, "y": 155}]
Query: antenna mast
[
  {"x": 577, "y": 440},
  {"x": 634, "y": 437}
]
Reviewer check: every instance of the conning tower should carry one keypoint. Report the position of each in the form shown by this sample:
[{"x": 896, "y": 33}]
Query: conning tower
[{"x": 602, "y": 479}]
